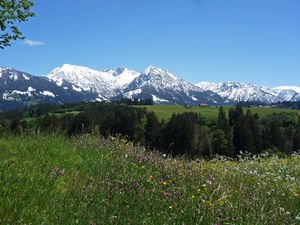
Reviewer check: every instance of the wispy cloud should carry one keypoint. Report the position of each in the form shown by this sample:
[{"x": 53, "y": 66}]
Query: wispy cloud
[{"x": 33, "y": 43}]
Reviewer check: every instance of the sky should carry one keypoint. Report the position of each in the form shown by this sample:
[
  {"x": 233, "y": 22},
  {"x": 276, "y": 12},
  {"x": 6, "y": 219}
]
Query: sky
[{"x": 254, "y": 41}]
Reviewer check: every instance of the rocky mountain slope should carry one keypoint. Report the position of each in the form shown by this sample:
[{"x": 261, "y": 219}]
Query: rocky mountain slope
[
  {"x": 70, "y": 83},
  {"x": 247, "y": 92}
]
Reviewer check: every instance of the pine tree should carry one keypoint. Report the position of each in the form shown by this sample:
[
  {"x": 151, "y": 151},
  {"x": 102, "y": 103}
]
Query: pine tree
[
  {"x": 178, "y": 136},
  {"x": 203, "y": 138},
  {"x": 235, "y": 114},
  {"x": 276, "y": 135},
  {"x": 223, "y": 124},
  {"x": 220, "y": 143},
  {"x": 152, "y": 131},
  {"x": 296, "y": 142},
  {"x": 256, "y": 133},
  {"x": 241, "y": 135}
]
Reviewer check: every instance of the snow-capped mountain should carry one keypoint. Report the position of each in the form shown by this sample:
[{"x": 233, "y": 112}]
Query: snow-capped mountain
[
  {"x": 238, "y": 92},
  {"x": 23, "y": 88},
  {"x": 105, "y": 83},
  {"x": 246, "y": 92},
  {"x": 70, "y": 83},
  {"x": 288, "y": 93},
  {"x": 160, "y": 85},
  {"x": 165, "y": 87}
]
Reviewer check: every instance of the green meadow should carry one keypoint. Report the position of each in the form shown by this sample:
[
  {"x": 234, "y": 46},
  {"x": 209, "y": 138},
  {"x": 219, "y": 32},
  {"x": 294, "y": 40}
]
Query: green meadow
[
  {"x": 89, "y": 180},
  {"x": 165, "y": 111}
]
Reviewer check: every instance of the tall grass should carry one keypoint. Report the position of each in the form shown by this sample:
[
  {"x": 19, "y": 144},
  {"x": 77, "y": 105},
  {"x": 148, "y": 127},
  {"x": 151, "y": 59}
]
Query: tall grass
[{"x": 89, "y": 180}]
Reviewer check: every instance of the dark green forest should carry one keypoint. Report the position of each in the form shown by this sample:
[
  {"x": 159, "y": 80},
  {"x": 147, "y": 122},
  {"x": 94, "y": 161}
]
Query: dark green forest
[{"x": 188, "y": 134}]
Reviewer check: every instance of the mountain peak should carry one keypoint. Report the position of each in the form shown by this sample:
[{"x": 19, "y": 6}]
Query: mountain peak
[
  {"x": 6, "y": 68},
  {"x": 70, "y": 67},
  {"x": 153, "y": 82},
  {"x": 153, "y": 70}
]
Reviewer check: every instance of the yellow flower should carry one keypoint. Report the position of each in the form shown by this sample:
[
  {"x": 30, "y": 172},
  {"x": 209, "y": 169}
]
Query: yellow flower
[
  {"x": 170, "y": 207},
  {"x": 165, "y": 183},
  {"x": 209, "y": 204},
  {"x": 150, "y": 178},
  {"x": 193, "y": 197}
]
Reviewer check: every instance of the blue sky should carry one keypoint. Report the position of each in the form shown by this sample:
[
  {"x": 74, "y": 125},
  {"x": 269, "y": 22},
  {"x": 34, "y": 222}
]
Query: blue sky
[{"x": 215, "y": 40}]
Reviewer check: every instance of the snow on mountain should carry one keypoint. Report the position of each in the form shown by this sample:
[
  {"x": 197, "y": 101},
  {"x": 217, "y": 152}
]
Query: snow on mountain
[
  {"x": 284, "y": 88},
  {"x": 83, "y": 77},
  {"x": 163, "y": 86},
  {"x": 70, "y": 83},
  {"x": 21, "y": 87},
  {"x": 288, "y": 93},
  {"x": 160, "y": 80},
  {"x": 237, "y": 92},
  {"x": 209, "y": 86},
  {"x": 122, "y": 77},
  {"x": 125, "y": 83},
  {"x": 105, "y": 83}
]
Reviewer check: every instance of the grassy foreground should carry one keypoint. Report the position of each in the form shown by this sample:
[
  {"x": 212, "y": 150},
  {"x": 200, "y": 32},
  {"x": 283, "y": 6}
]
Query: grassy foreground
[
  {"x": 87, "y": 180},
  {"x": 166, "y": 111}
]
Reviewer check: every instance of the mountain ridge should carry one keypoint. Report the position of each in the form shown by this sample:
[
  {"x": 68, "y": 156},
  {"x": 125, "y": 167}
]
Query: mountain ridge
[{"x": 73, "y": 83}]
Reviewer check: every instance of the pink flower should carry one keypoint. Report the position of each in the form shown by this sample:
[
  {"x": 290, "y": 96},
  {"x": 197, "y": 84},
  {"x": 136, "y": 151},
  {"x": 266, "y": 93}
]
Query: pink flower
[{"x": 166, "y": 194}]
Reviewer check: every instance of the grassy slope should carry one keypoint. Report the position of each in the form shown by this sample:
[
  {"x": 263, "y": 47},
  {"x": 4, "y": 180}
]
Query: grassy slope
[
  {"x": 166, "y": 111},
  {"x": 53, "y": 180}
]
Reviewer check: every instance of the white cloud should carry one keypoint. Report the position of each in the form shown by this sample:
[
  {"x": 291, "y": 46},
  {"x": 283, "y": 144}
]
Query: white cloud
[{"x": 33, "y": 43}]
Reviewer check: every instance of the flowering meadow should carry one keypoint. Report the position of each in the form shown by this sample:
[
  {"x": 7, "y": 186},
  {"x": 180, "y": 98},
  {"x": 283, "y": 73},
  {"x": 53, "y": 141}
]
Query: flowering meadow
[{"x": 90, "y": 180}]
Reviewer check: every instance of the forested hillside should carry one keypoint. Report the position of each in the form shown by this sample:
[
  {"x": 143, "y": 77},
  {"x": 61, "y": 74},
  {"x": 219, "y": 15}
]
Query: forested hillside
[{"x": 187, "y": 133}]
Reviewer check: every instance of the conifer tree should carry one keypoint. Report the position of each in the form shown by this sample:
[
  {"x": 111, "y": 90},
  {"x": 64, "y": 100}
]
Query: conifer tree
[
  {"x": 296, "y": 142},
  {"x": 220, "y": 143},
  {"x": 152, "y": 131},
  {"x": 223, "y": 124}
]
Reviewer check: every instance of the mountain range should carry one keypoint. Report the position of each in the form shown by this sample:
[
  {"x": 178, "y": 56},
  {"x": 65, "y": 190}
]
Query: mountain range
[{"x": 70, "y": 83}]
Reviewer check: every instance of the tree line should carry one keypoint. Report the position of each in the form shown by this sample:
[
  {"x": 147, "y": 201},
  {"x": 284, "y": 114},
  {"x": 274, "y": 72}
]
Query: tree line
[{"x": 188, "y": 134}]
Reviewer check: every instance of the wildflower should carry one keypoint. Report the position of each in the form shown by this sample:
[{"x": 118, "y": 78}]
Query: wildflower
[
  {"x": 281, "y": 209},
  {"x": 150, "y": 178},
  {"x": 170, "y": 207},
  {"x": 193, "y": 197},
  {"x": 166, "y": 194},
  {"x": 163, "y": 182},
  {"x": 143, "y": 159}
]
